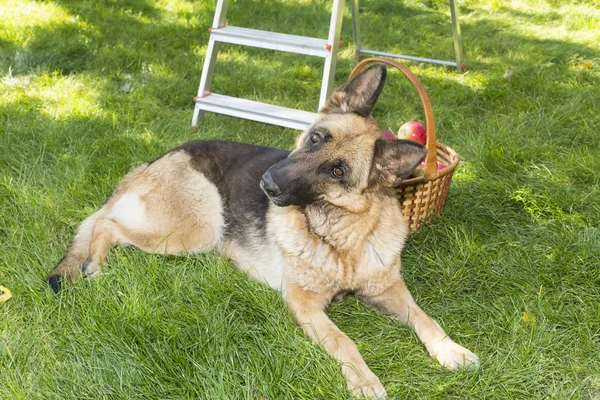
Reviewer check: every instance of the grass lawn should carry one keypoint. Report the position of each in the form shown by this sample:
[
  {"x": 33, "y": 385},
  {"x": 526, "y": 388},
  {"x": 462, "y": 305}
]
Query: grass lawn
[{"x": 89, "y": 89}]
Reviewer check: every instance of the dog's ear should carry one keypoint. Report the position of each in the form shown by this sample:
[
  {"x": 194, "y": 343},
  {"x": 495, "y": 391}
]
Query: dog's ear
[
  {"x": 395, "y": 160},
  {"x": 359, "y": 94}
]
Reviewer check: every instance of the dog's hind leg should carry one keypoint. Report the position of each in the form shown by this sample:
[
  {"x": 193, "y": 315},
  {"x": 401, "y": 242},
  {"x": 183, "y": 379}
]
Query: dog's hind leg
[
  {"x": 69, "y": 266},
  {"x": 95, "y": 236},
  {"x": 165, "y": 207},
  {"x": 77, "y": 259},
  {"x": 106, "y": 234},
  {"x": 398, "y": 301}
]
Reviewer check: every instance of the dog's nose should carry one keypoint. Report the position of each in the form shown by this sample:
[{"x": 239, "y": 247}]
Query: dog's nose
[{"x": 270, "y": 187}]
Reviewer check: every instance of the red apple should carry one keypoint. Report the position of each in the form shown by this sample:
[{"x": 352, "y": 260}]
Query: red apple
[
  {"x": 388, "y": 135},
  {"x": 413, "y": 130},
  {"x": 440, "y": 166}
]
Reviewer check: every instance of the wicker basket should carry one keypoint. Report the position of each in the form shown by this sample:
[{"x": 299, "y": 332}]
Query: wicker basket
[{"x": 422, "y": 197}]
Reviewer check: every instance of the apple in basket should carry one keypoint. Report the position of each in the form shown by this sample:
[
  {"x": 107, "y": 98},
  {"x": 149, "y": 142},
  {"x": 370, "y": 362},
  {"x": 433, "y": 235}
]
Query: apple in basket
[{"x": 413, "y": 130}]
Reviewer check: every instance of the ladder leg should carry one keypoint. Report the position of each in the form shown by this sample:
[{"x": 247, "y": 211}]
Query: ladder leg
[
  {"x": 210, "y": 59},
  {"x": 335, "y": 28},
  {"x": 458, "y": 47},
  {"x": 356, "y": 27},
  {"x": 207, "y": 75}
]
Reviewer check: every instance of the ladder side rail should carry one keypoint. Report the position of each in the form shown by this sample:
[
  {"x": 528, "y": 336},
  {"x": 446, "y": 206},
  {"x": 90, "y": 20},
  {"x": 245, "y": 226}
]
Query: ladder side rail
[
  {"x": 333, "y": 39},
  {"x": 457, "y": 36},
  {"x": 210, "y": 58},
  {"x": 355, "y": 27}
]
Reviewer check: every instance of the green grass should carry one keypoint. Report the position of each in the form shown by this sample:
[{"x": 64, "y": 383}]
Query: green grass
[{"x": 89, "y": 89}]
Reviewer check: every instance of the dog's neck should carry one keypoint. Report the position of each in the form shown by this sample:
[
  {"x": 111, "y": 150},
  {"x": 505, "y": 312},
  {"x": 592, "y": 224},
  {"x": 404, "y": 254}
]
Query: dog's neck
[
  {"x": 368, "y": 220},
  {"x": 339, "y": 248}
]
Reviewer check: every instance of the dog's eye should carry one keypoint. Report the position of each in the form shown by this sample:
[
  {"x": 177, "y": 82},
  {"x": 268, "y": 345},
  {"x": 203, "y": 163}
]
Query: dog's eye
[
  {"x": 315, "y": 138},
  {"x": 338, "y": 172}
]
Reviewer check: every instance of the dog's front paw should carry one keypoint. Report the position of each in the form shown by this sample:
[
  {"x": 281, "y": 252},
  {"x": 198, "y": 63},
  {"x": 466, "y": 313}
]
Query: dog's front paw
[
  {"x": 453, "y": 356},
  {"x": 370, "y": 389}
]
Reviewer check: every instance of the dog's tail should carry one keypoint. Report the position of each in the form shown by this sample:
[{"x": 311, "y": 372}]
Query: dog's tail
[{"x": 69, "y": 267}]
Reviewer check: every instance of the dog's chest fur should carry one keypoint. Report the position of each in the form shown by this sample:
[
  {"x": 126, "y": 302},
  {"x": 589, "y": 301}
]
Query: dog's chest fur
[{"x": 329, "y": 250}]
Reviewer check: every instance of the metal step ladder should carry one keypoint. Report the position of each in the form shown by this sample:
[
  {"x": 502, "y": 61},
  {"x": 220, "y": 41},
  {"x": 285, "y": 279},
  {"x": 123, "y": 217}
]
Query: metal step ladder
[
  {"x": 458, "y": 47},
  {"x": 325, "y": 48},
  {"x": 257, "y": 111}
]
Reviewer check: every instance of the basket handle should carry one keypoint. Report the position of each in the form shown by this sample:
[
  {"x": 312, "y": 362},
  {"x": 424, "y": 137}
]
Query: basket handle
[{"x": 431, "y": 159}]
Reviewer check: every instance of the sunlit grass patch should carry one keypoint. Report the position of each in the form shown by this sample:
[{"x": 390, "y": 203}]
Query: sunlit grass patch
[
  {"x": 19, "y": 17},
  {"x": 62, "y": 97}
]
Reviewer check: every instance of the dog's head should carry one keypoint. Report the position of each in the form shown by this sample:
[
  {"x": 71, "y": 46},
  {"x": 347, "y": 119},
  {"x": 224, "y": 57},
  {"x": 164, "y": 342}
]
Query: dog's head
[{"x": 343, "y": 153}]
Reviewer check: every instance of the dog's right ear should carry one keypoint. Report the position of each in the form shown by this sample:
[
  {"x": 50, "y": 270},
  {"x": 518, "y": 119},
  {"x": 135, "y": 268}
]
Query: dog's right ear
[
  {"x": 395, "y": 160},
  {"x": 359, "y": 94}
]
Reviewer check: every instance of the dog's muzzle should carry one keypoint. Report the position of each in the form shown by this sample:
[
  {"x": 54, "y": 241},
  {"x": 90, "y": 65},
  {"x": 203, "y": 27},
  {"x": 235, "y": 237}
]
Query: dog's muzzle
[{"x": 269, "y": 186}]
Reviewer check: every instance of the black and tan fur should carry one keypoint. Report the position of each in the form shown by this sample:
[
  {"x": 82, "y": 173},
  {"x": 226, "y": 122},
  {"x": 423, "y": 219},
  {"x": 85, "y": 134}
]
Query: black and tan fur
[{"x": 324, "y": 222}]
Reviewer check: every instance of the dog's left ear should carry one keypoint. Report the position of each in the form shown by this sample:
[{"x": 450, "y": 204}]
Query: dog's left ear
[
  {"x": 395, "y": 160},
  {"x": 359, "y": 94}
]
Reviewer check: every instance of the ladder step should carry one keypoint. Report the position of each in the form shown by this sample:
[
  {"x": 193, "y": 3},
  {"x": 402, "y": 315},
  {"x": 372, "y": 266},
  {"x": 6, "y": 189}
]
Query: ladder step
[
  {"x": 256, "y": 111},
  {"x": 271, "y": 40}
]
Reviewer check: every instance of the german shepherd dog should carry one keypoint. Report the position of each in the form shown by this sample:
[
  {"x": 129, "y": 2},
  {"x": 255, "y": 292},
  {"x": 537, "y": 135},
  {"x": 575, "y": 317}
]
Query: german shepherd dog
[{"x": 314, "y": 223}]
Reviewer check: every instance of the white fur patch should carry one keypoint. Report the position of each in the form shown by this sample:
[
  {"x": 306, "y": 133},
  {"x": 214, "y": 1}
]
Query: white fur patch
[
  {"x": 262, "y": 261},
  {"x": 130, "y": 212}
]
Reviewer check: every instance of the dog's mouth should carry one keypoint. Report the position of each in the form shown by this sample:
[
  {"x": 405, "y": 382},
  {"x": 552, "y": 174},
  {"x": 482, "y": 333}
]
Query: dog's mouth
[{"x": 279, "y": 201}]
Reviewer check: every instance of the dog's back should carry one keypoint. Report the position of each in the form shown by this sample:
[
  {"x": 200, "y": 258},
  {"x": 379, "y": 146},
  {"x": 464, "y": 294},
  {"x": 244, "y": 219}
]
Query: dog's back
[
  {"x": 235, "y": 169},
  {"x": 198, "y": 196}
]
